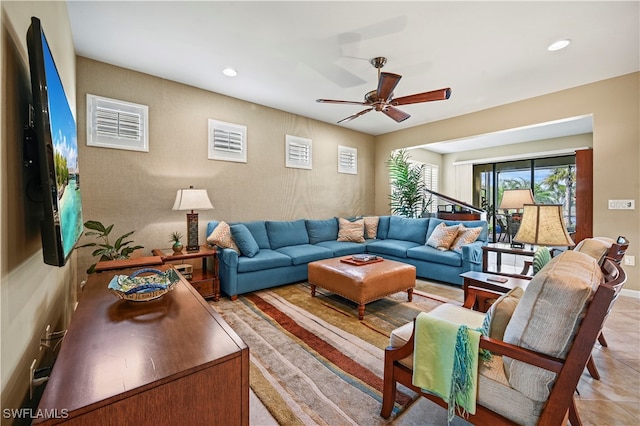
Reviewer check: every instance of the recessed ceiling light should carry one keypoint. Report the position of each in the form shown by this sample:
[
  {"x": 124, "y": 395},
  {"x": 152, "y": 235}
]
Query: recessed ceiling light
[
  {"x": 229, "y": 72},
  {"x": 557, "y": 45}
]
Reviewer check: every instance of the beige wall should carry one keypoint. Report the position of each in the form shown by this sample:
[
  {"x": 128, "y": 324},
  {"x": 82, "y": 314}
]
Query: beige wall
[
  {"x": 32, "y": 294},
  {"x": 615, "y": 106},
  {"x": 136, "y": 190}
]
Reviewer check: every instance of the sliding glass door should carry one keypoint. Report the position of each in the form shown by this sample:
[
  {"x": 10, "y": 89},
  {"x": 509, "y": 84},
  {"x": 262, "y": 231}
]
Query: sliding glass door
[{"x": 552, "y": 181}]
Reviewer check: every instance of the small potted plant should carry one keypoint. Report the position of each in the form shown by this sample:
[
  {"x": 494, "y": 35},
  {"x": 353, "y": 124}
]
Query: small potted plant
[{"x": 177, "y": 245}]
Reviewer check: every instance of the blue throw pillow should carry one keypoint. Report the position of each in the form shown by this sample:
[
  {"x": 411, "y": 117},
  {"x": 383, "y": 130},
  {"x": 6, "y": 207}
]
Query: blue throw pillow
[{"x": 244, "y": 240}]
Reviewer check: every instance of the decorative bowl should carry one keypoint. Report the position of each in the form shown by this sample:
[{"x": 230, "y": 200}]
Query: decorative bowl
[{"x": 144, "y": 288}]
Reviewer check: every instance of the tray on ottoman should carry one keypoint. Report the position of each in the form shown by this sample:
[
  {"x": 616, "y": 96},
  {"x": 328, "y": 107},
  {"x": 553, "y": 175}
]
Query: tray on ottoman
[{"x": 362, "y": 283}]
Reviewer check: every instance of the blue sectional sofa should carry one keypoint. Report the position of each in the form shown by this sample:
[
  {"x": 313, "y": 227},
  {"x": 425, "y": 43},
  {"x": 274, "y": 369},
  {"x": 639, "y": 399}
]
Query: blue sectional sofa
[{"x": 277, "y": 252}]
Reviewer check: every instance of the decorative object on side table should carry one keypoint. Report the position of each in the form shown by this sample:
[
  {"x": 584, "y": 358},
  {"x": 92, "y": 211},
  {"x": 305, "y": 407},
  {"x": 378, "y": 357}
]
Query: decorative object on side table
[
  {"x": 515, "y": 199},
  {"x": 177, "y": 244},
  {"x": 192, "y": 199},
  {"x": 139, "y": 288}
]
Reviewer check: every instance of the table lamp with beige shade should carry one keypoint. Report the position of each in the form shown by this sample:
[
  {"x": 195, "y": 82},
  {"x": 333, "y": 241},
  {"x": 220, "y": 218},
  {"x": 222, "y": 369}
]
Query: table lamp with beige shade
[
  {"x": 515, "y": 199},
  {"x": 192, "y": 199},
  {"x": 543, "y": 225}
]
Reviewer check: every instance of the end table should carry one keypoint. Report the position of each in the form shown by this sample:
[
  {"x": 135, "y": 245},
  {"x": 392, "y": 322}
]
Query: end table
[{"x": 206, "y": 281}]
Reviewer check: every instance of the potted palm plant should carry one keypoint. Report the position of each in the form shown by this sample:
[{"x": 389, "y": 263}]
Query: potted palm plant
[
  {"x": 407, "y": 196},
  {"x": 177, "y": 244}
]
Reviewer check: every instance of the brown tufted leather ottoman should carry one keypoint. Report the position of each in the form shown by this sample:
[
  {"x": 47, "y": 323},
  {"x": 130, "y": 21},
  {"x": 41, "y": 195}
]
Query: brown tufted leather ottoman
[{"x": 362, "y": 283}]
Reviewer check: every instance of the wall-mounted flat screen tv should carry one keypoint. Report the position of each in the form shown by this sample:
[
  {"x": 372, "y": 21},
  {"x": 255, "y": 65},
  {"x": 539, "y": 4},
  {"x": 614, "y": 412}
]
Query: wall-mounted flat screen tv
[{"x": 57, "y": 147}]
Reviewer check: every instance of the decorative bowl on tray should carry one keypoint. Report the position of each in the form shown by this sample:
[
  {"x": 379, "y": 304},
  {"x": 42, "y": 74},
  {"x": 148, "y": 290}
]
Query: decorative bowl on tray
[{"x": 139, "y": 288}]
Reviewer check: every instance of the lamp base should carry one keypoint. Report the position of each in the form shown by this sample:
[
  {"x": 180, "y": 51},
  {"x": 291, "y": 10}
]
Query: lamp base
[
  {"x": 192, "y": 232},
  {"x": 517, "y": 245}
]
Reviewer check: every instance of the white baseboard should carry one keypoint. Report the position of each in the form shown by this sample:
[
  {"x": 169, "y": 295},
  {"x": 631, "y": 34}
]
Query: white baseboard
[{"x": 630, "y": 293}]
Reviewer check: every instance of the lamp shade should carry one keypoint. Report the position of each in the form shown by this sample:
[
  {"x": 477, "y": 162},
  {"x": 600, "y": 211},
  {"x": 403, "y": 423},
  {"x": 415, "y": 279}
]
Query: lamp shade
[
  {"x": 192, "y": 199},
  {"x": 543, "y": 225},
  {"x": 515, "y": 199}
]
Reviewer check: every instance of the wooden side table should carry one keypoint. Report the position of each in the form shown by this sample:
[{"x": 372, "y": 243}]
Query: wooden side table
[
  {"x": 206, "y": 281},
  {"x": 489, "y": 286}
]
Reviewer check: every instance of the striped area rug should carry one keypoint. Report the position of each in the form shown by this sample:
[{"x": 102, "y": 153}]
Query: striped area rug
[{"x": 312, "y": 361}]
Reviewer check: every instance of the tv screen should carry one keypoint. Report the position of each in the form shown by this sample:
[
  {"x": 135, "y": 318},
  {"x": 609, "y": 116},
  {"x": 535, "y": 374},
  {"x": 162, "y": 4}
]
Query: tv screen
[{"x": 57, "y": 146}]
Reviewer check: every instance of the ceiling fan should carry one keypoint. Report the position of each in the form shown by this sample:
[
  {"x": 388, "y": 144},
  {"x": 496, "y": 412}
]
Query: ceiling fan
[{"x": 382, "y": 99}]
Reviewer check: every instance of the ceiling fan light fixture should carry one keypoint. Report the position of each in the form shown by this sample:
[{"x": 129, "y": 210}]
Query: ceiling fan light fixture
[
  {"x": 558, "y": 45},
  {"x": 229, "y": 72}
]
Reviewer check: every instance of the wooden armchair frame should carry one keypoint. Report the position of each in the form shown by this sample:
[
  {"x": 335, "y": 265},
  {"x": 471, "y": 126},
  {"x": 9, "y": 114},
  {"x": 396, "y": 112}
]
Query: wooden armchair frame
[{"x": 560, "y": 405}]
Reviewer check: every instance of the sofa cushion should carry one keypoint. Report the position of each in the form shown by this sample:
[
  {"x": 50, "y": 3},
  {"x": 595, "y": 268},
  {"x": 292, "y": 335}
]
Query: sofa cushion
[
  {"x": 383, "y": 227},
  {"x": 343, "y": 248},
  {"x": 351, "y": 230},
  {"x": 395, "y": 248},
  {"x": 443, "y": 236},
  {"x": 430, "y": 254},
  {"x": 305, "y": 253},
  {"x": 484, "y": 234},
  {"x": 465, "y": 236},
  {"x": 264, "y": 259},
  {"x": 322, "y": 230},
  {"x": 244, "y": 240},
  {"x": 406, "y": 229},
  {"x": 371, "y": 227},
  {"x": 287, "y": 233},
  {"x": 259, "y": 231},
  {"x": 547, "y": 317},
  {"x": 221, "y": 237}
]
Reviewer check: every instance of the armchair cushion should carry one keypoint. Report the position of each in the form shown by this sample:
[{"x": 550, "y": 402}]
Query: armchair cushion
[
  {"x": 594, "y": 247},
  {"x": 498, "y": 396},
  {"x": 547, "y": 317},
  {"x": 499, "y": 314}
]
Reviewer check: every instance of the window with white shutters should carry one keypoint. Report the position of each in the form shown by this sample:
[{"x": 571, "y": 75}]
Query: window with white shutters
[
  {"x": 227, "y": 141},
  {"x": 431, "y": 182},
  {"x": 298, "y": 152},
  {"x": 347, "y": 160},
  {"x": 117, "y": 124}
]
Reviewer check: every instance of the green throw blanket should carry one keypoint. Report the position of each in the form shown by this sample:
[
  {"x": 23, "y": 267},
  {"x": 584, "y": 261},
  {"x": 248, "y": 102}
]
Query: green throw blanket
[{"x": 445, "y": 362}]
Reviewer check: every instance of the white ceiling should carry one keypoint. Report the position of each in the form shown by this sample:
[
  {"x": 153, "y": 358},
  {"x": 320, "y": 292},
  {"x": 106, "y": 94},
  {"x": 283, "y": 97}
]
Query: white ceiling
[{"x": 290, "y": 53}]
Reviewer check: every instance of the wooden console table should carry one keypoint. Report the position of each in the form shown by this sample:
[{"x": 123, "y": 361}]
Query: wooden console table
[{"x": 173, "y": 360}]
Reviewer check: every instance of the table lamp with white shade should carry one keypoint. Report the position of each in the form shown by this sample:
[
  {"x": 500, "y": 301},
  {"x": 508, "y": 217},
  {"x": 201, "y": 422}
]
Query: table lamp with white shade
[{"x": 192, "y": 199}]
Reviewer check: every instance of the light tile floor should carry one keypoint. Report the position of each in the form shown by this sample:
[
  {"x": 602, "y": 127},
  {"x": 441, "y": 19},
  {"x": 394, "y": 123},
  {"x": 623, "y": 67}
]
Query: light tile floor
[{"x": 612, "y": 400}]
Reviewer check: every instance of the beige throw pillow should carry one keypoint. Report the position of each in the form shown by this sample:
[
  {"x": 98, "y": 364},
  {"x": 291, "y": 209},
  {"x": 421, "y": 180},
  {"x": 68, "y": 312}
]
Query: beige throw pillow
[
  {"x": 443, "y": 236},
  {"x": 465, "y": 236},
  {"x": 351, "y": 231},
  {"x": 221, "y": 237},
  {"x": 501, "y": 311},
  {"x": 371, "y": 226}
]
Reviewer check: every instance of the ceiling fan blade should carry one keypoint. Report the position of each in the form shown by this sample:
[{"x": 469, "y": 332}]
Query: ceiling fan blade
[
  {"x": 395, "y": 113},
  {"x": 332, "y": 101},
  {"x": 386, "y": 85},
  {"x": 351, "y": 117},
  {"x": 434, "y": 95}
]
